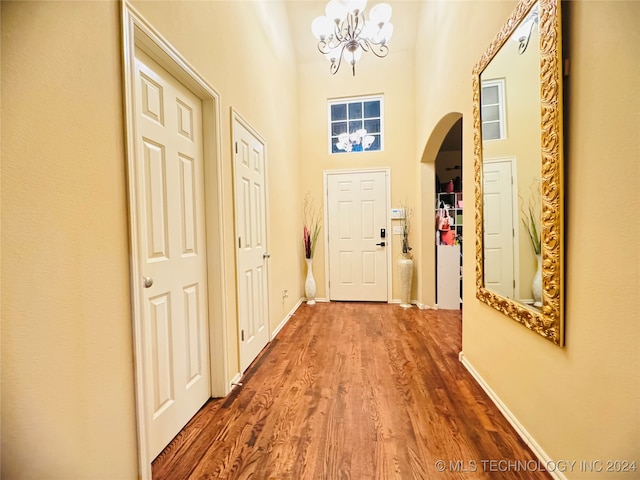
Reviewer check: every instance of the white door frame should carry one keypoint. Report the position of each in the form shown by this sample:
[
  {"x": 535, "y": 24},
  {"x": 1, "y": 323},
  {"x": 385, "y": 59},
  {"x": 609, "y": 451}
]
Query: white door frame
[
  {"x": 387, "y": 176},
  {"x": 237, "y": 118},
  {"x": 137, "y": 32}
]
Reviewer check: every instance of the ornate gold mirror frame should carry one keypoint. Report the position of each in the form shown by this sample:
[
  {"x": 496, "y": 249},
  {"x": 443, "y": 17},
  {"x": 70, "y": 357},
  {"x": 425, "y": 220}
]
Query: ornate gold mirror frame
[{"x": 547, "y": 320}]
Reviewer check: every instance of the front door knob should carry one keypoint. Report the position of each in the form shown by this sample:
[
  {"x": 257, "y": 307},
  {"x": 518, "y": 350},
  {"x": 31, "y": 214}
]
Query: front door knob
[{"x": 148, "y": 281}]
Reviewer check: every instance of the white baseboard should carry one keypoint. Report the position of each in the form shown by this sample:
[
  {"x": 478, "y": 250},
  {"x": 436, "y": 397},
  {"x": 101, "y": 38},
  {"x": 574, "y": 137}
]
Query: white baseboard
[
  {"x": 318, "y": 300},
  {"x": 512, "y": 419},
  {"x": 286, "y": 319},
  {"x": 423, "y": 306},
  {"x": 235, "y": 381}
]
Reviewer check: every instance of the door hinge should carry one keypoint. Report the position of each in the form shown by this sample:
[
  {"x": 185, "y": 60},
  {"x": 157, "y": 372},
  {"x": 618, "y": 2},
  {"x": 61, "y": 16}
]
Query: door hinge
[
  {"x": 242, "y": 335},
  {"x": 239, "y": 242},
  {"x": 236, "y": 147},
  {"x": 514, "y": 284}
]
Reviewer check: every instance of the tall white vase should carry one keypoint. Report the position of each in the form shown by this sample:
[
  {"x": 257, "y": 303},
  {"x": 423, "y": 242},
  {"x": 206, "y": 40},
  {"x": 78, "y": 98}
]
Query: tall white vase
[
  {"x": 405, "y": 277},
  {"x": 310, "y": 283},
  {"x": 536, "y": 284}
]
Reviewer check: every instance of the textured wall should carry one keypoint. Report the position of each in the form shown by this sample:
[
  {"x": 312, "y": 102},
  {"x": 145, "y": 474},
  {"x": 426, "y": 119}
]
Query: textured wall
[{"x": 67, "y": 377}]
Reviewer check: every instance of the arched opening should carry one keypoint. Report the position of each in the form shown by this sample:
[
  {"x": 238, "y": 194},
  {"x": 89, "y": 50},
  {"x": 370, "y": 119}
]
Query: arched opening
[{"x": 441, "y": 162}]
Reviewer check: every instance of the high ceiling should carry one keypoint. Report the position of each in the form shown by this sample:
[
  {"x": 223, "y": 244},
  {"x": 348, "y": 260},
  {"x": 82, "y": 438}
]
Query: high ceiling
[{"x": 302, "y": 12}]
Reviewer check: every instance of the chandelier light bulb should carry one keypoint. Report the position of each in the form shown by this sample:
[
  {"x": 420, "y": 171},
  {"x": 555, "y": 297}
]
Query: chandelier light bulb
[
  {"x": 335, "y": 11},
  {"x": 333, "y": 55},
  {"x": 353, "y": 6},
  {"x": 321, "y": 27},
  {"x": 352, "y": 56},
  {"x": 386, "y": 32},
  {"x": 381, "y": 13}
]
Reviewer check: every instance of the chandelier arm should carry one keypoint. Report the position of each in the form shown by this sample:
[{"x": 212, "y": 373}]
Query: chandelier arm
[
  {"x": 381, "y": 50},
  {"x": 339, "y": 33},
  {"x": 356, "y": 24},
  {"x": 335, "y": 66},
  {"x": 524, "y": 40},
  {"x": 323, "y": 47}
]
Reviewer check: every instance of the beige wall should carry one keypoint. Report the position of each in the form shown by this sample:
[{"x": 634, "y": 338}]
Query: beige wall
[
  {"x": 579, "y": 402},
  {"x": 316, "y": 86},
  {"x": 67, "y": 377}
]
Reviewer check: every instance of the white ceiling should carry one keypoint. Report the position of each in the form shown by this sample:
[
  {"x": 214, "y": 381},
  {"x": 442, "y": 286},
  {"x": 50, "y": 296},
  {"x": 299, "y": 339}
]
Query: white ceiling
[{"x": 302, "y": 12}]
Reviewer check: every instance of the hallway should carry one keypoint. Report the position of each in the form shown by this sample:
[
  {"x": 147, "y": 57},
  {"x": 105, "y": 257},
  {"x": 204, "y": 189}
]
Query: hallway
[{"x": 354, "y": 391}]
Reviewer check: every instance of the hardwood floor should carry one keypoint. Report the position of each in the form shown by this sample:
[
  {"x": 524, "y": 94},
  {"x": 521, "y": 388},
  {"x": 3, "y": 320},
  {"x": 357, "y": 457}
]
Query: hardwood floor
[{"x": 354, "y": 391}]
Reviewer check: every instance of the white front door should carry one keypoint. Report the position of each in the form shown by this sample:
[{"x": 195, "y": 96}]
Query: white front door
[
  {"x": 251, "y": 232},
  {"x": 357, "y": 205},
  {"x": 169, "y": 193},
  {"x": 498, "y": 227}
]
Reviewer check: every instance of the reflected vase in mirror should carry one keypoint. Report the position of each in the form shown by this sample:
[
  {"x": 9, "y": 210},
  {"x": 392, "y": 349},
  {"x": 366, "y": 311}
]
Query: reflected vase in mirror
[{"x": 536, "y": 284}]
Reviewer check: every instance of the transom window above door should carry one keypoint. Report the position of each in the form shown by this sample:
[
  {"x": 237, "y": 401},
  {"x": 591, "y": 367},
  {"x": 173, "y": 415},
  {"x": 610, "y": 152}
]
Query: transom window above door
[{"x": 355, "y": 124}]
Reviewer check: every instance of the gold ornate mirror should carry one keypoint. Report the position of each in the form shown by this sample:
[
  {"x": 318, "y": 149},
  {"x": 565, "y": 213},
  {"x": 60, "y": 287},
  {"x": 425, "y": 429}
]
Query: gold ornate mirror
[{"x": 517, "y": 118}]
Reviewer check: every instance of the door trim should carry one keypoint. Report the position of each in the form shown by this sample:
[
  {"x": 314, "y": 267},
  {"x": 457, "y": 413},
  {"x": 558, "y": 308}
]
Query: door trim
[
  {"x": 137, "y": 32},
  {"x": 325, "y": 196}
]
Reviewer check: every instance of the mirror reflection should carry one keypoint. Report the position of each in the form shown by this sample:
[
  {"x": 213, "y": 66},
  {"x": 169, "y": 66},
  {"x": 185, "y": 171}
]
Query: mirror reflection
[
  {"x": 510, "y": 125},
  {"x": 517, "y": 119}
]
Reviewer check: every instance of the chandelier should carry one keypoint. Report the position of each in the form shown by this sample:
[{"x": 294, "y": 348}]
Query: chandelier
[
  {"x": 356, "y": 141},
  {"x": 343, "y": 33},
  {"x": 523, "y": 33}
]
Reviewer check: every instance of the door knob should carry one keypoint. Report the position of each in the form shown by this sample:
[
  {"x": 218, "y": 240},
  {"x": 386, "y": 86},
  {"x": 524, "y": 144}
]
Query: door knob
[
  {"x": 148, "y": 281},
  {"x": 381, "y": 244}
]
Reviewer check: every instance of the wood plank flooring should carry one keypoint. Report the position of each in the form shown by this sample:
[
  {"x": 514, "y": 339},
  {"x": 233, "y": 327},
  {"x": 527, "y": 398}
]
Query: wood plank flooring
[{"x": 354, "y": 391}]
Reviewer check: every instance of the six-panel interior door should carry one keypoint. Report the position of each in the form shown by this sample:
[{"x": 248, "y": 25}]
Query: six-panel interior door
[
  {"x": 251, "y": 230},
  {"x": 357, "y": 213},
  {"x": 169, "y": 206},
  {"x": 498, "y": 228}
]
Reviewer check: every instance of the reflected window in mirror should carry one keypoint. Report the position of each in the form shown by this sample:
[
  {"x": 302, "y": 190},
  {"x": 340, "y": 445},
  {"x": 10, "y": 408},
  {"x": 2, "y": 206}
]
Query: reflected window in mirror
[{"x": 493, "y": 111}]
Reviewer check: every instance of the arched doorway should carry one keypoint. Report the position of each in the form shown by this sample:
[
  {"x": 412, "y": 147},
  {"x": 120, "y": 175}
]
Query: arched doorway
[{"x": 441, "y": 162}]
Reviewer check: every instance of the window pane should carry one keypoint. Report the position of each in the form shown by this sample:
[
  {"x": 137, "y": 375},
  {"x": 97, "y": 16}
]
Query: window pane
[
  {"x": 338, "y": 112},
  {"x": 490, "y": 131},
  {"x": 355, "y": 110},
  {"x": 490, "y": 95},
  {"x": 372, "y": 109},
  {"x": 338, "y": 128},
  {"x": 490, "y": 113},
  {"x": 376, "y": 143},
  {"x": 335, "y": 149},
  {"x": 372, "y": 126},
  {"x": 355, "y": 125}
]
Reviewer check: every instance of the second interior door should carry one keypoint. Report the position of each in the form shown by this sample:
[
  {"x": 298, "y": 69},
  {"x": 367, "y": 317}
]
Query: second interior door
[
  {"x": 251, "y": 228},
  {"x": 498, "y": 227},
  {"x": 358, "y": 236}
]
